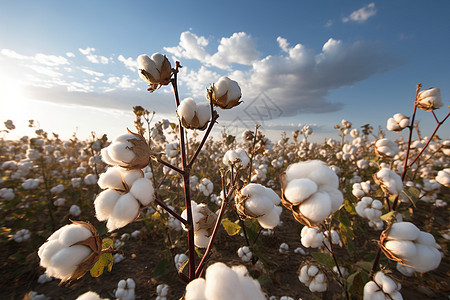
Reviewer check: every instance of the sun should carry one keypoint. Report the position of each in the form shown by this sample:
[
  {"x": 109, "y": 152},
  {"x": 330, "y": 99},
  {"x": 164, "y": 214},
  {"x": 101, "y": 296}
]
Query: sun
[{"x": 14, "y": 102}]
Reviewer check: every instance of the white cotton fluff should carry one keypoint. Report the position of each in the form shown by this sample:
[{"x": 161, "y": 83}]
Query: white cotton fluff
[
  {"x": 390, "y": 181},
  {"x": 360, "y": 189},
  {"x": 298, "y": 190},
  {"x": 112, "y": 179},
  {"x": 59, "y": 255},
  {"x": 383, "y": 287},
  {"x": 172, "y": 149},
  {"x": 6, "y": 194},
  {"x": 430, "y": 99},
  {"x": 58, "y": 189},
  {"x": 405, "y": 270},
  {"x": 201, "y": 235},
  {"x": 245, "y": 254},
  {"x": 125, "y": 211},
  {"x": 397, "y": 123},
  {"x": 30, "y": 184},
  {"x": 119, "y": 152},
  {"x": 162, "y": 291},
  {"x": 321, "y": 203},
  {"x": 284, "y": 248},
  {"x": 125, "y": 289},
  {"x": 416, "y": 248},
  {"x": 104, "y": 204},
  {"x": 188, "y": 109},
  {"x": 369, "y": 208},
  {"x": 386, "y": 147},
  {"x": 236, "y": 157},
  {"x": 311, "y": 237},
  {"x": 313, "y": 278},
  {"x": 443, "y": 177},
  {"x": 264, "y": 203},
  {"x": 90, "y": 179},
  {"x": 43, "y": 278},
  {"x": 222, "y": 282},
  {"x": 142, "y": 189},
  {"x": 90, "y": 296},
  {"x": 75, "y": 182}
]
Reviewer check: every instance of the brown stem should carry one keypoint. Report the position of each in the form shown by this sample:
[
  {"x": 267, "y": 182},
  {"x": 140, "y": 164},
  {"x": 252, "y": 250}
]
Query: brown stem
[{"x": 170, "y": 211}]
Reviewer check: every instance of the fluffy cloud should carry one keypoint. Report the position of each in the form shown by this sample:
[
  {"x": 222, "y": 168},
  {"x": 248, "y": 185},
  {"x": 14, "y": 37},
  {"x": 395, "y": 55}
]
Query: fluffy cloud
[
  {"x": 361, "y": 15},
  {"x": 240, "y": 48},
  {"x": 298, "y": 80},
  {"x": 129, "y": 62},
  {"x": 45, "y": 59},
  {"x": 95, "y": 59},
  {"x": 91, "y": 72}
]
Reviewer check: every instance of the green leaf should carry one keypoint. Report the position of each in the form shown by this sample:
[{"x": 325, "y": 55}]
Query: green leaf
[
  {"x": 323, "y": 259},
  {"x": 107, "y": 243},
  {"x": 230, "y": 227},
  {"x": 356, "y": 285},
  {"x": 410, "y": 193},
  {"x": 387, "y": 216},
  {"x": 162, "y": 268},
  {"x": 106, "y": 259},
  {"x": 264, "y": 280},
  {"x": 350, "y": 208}
]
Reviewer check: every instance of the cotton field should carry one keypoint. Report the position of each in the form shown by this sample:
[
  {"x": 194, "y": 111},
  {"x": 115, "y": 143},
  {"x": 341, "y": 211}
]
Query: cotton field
[{"x": 165, "y": 210}]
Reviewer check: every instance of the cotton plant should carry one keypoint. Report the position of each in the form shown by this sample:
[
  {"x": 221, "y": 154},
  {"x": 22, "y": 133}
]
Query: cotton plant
[
  {"x": 371, "y": 209},
  {"x": 206, "y": 186},
  {"x": 223, "y": 282},
  {"x": 397, "y": 123},
  {"x": 361, "y": 189},
  {"x": 21, "y": 236},
  {"x": 245, "y": 254},
  {"x": 389, "y": 181},
  {"x": 310, "y": 191}
]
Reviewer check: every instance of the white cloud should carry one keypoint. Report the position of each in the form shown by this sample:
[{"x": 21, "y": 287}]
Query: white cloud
[
  {"x": 45, "y": 71},
  {"x": 95, "y": 59},
  {"x": 70, "y": 54},
  {"x": 198, "y": 80},
  {"x": 283, "y": 43},
  {"x": 329, "y": 23},
  {"x": 240, "y": 48},
  {"x": 45, "y": 59},
  {"x": 92, "y": 72},
  {"x": 361, "y": 15},
  {"x": 13, "y": 54},
  {"x": 129, "y": 62}
]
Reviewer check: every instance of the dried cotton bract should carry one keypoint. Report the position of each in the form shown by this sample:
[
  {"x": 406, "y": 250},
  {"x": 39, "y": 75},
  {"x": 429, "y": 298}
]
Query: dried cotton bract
[
  {"x": 406, "y": 244},
  {"x": 382, "y": 287},
  {"x": 193, "y": 115},
  {"x": 429, "y": 99},
  {"x": 397, "y": 123},
  {"x": 310, "y": 190},
  {"x": 155, "y": 70},
  {"x": 128, "y": 150},
  {"x": 226, "y": 93},
  {"x": 222, "y": 282},
  {"x": 257, "y": 201}
]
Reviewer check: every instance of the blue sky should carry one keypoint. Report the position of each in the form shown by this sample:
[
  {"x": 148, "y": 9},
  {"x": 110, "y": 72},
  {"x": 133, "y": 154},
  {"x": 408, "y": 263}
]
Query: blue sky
[{"x": 71, "y": 64}]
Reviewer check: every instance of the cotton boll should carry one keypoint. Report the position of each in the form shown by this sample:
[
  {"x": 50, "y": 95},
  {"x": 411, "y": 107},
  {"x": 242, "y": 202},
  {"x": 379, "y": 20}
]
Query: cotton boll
[
  {"x": 298, "y": 190},
  {"x": 120, "y": 152},
  {"x": 404, "y": 249},
  {"x": 317, "y": 208},
  {"x": 404, "y": 231},
  {"x": 66, "y": 261},
  {"x": 75, "y": 210},
  {"x": 124, "y": 212},
  {"x": 426, "y": 239},
  {"x": 89, "y": 296},
  {"x": 259, "y": 205},
  {"x": 143, "y": 191},
  {"x": 222, "y": 283},
  {"x": 130, "y": 176},
  {"x": 336, "y": 197},
  {"x": 187, "y": 109},
  {"x": 112, "y": 179},
  {"x": 323, "y": 175},
  {"x": 104, "y": 204},
  {"x": 195, "y": 290}
]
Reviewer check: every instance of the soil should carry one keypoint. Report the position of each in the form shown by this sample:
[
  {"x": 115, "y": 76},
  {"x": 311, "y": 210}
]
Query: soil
[{"x": 143, "y": 254}]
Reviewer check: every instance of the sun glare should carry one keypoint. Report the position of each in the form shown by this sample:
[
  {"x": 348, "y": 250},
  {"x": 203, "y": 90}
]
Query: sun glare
[{"x": 13, "y": 101}]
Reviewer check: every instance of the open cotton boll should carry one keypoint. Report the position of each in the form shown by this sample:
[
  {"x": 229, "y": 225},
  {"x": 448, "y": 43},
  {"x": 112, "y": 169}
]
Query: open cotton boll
[
  {"x": 317, "y": 208},
  {"x": 426, "y": 239},
  {"x": 145, "y": 63},
  {"x": 222, "y": 283},
  {"x": 250, "y": 286},
  {"x": 121, "y": 152},
  {"x": 404, "y": 231},
  {"x": 201, "y": 238},
  {"x": 104, "y": 204},
  {"x": 142, "y": 190},
  {"x": 302, "y": 169},
  {"x": 89, "y": 296},
  {"x": 258, "y": 205},
  {"x": 336, "y": 197},
  {"x": 124, "y": 212},
  {"x": 404, "y": 249},
  {"x": 323, "y": 175},
  {"x": 311, "y": 237},
  {"x": 125, "y": 290},
  {"x": 298, "y": 190},
  {"x": 195, "y": 290}
]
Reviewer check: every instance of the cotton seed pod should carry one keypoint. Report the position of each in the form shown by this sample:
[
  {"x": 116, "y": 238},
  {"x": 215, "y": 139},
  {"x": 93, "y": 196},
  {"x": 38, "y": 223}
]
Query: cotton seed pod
[
  {"x": 71, "y": 251},
  {"x": 397, "y": 123},
  {"x": 226, "y": 93},
  {"x": 429, "y": 99},
  {"x": 193, "y": 115},
  {"x": 204, "y": 221},
  {"x": 257, "y": 201},
  {"x": 310, "y": 190},
  {"x": 382, "y": 287},
  {"x": 237, "y": 158},
  {"x": 443, "y": 177},
  {"x": 389, "y": 181},
  {"x": 313, "y": 278},
  {"x": 128, "y": 150},
  {"x": 156, "y": 70}
]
